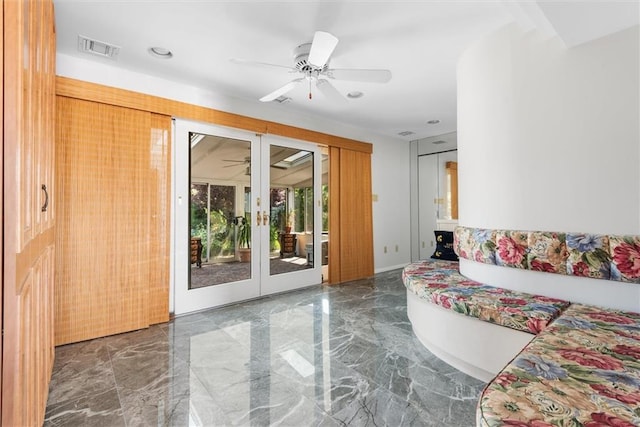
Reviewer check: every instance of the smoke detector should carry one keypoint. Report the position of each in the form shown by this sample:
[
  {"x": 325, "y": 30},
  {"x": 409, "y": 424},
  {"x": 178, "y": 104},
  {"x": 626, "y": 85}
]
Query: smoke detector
[{"x": 96, "y": 47}]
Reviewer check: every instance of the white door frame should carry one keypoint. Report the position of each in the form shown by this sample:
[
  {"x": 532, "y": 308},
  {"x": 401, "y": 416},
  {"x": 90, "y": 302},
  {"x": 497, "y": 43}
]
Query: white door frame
[
  {"x": 187, "y": 300},
  {"x": 183, "y": 300},
  {"x": 309, "y": 276}
]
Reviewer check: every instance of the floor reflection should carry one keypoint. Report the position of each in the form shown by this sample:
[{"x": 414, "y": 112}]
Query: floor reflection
[{"x": 342, "y": 355}]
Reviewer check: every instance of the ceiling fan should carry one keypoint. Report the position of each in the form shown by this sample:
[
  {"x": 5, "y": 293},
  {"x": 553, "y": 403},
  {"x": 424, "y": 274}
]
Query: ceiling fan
[
  {"x": 312, "y": 61},
  {"x": 246, "y": 161}
]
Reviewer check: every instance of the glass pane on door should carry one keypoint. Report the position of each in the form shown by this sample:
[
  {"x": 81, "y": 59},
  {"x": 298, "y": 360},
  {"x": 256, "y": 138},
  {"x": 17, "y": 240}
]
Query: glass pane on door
[
  {"x": 220, "y": 172},
  {"x": 291, "y": 209}
]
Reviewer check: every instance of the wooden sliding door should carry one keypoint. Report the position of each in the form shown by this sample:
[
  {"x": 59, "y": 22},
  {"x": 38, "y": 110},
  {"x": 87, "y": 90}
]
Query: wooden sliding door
[
  {"x": 28, "y": 52},
  {"x": 351, "y": 215},
  {"x": 112, "y": 269}
]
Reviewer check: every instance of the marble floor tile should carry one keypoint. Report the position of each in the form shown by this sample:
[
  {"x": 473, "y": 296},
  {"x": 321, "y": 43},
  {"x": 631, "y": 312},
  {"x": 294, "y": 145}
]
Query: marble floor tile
[
  {"x": 320, "y": 356},
  {"x": 93, "y": 409}
]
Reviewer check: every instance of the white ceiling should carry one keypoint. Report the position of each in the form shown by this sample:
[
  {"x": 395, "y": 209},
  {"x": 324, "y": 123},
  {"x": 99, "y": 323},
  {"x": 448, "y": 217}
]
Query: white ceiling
[
  {"x": 419, "y": 41},
  {"x": 219, "y": 159}
]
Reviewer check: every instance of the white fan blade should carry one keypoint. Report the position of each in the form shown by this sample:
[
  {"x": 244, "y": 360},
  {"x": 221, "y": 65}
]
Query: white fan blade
[
  {"x": 360, "y": 75},
  {"x": 329, "y": 91},
  {"x": 279, "y": 92},
  {"x": 321, "y": 48},
  {"x": 260, "y": 64}
]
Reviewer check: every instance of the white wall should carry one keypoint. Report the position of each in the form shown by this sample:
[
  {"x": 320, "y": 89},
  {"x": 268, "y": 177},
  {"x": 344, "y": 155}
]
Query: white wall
[
  {"x": 389, "y": 161},
  {"x": 391, "y": 213},
  {"x": 549, "y": 139}
]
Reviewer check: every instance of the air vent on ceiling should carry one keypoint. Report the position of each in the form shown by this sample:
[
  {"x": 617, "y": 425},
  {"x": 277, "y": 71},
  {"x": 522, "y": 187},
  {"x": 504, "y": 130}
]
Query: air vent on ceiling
[
  {"x": 439, "y": 142},
  {"x": 95, "y": 47},
  {"x": 405, "y": 133}
]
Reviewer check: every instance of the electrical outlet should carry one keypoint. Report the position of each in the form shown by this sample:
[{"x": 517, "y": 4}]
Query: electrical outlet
[
  {"x": 396, "y": 248},
  {"x": 423, "y": 244},
  {"x": 385, "y": 249}
]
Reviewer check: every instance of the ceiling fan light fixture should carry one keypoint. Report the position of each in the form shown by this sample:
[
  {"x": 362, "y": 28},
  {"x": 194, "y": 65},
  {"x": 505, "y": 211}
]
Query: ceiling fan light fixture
[
  {"x": 312, "y": 61},
  {"x": 282, "y": 99},
  {"x": 160, "y": 52}
]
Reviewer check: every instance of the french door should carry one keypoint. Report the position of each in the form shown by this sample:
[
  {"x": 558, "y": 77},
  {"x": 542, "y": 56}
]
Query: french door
[{"x": 247, "y": 216}]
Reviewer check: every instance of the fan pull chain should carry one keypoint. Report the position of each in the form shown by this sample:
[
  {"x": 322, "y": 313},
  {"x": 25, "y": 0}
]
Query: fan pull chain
[{"x": 309, "y": 88}]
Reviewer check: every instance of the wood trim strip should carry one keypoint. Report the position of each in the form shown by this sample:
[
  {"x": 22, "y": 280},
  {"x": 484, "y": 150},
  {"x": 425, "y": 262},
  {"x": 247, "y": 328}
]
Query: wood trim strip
[
  {"x": 87, "y": 91},
  {"x": 334, "y": 215},
  {"x": 159, "y": 182},
  {"x": 2, "y": 262}
]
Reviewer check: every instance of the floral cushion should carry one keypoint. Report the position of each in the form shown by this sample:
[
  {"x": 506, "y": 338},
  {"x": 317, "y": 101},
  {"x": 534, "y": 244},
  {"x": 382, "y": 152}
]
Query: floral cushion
[
  {"x": 451, "y": 290},
  {"x": 577, "y": 254},
  {"x": 582, "y": 371},
  {"x": 547, "y": 252},
  {"x": 512, "y": 248},
  {"x": 588, "y": 255},
  {"x": 424, "y": 277},
  {"x": 515, "y": 310},
  {"x": 476, "y": 244},
  {"x": 625, "y": 258}
]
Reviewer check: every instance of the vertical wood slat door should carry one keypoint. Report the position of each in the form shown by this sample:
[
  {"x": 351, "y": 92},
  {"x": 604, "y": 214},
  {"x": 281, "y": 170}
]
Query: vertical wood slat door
[
  {"x": 112, "y": 269},
  {"x": 28, "y": 37},
  {"x": 350, "y": 206}
]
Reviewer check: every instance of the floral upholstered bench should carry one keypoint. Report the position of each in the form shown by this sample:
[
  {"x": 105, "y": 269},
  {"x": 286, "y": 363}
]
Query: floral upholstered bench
[
  {"x": 583, "y": 370},
  {"x": 498, "y": 322}
]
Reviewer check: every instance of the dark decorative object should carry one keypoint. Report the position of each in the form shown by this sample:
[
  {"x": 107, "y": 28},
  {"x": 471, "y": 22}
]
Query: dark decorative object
[
  {"x": 444, "y": 246},
  {"x": 196, "y": 251}
]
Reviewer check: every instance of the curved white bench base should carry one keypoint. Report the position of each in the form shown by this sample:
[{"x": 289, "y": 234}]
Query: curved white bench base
[{"x": 476, "y": 347}]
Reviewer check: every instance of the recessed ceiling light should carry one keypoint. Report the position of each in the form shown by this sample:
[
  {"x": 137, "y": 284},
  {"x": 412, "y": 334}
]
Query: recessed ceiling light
[
  {"x": 160, "y": 52},
  {"x": 433, "y": 122},
  {"x": 405, "y": 133},
  {"x": 355, "y": 94}
]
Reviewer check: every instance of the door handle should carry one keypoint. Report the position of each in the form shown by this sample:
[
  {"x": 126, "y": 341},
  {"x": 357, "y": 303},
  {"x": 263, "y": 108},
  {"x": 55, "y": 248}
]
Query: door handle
[
  {"x": 258, "y": 219},
  {"x": 265, "y": 218},
  {"x": 46, "y": 198}
]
